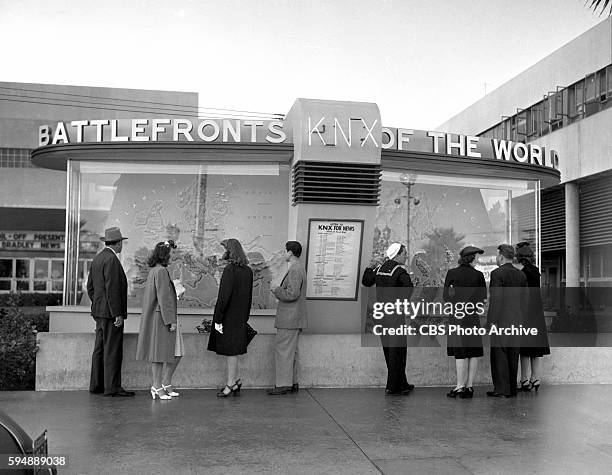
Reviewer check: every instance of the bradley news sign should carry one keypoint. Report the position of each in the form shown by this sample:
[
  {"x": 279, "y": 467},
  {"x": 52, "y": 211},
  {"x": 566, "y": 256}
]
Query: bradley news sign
[{"x": 322, "y": 131}]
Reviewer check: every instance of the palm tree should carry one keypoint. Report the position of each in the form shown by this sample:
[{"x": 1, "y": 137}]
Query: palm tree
[{"x": 604, "y": 4}]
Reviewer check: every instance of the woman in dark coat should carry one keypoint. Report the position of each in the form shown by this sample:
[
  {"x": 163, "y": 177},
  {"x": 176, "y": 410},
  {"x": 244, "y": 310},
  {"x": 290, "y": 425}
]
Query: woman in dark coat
[
  {"x": 228, "y": 336},
  {"x": 533, "y": 347},
  {"x": 465, "y": 284}
]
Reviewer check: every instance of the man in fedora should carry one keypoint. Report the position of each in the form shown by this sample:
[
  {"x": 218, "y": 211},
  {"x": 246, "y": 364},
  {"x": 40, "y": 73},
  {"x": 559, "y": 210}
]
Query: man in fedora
[{"x": 107, "y": 289}]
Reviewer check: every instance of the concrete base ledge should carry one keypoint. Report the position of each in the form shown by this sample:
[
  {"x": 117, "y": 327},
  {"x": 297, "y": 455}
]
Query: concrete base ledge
[{"x": 63, "y": 363}]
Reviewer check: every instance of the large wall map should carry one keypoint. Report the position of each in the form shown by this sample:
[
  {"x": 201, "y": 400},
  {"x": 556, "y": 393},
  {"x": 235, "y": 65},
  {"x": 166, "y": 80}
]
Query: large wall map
[{"x": 198, "y": 212}]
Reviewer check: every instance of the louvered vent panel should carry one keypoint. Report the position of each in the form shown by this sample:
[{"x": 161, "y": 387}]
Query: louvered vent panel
[
  {"x": 336, "y": 183},
  {"x": 596, "y": 212},
  {"x": 553, "y": 220}
]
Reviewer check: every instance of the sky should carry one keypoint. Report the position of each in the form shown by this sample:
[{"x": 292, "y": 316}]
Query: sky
[{"x": 422, "y": 62}]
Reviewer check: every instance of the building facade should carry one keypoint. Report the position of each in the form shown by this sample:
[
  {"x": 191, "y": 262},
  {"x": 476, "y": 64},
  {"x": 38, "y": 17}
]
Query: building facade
[
  {"x": 564, "y": 102},
  {"x": 33, "y": 199},
  {"x": 328, "y": 174}
]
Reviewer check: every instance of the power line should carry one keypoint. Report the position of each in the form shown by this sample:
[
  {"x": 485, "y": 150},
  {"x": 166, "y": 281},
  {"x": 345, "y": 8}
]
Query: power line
[
  {"x": 178, "y": 114},
  {"x": 140, "y": 102}
]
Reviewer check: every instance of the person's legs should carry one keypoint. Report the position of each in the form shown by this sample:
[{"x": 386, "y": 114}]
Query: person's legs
[
  {"x": 169, "y": 369},
  {"x": 296, "y": 359},
  {"x": 499, "y": 370},
  {"x": 525, "y": 368},
  {"x": 113, "y": 355},
  {"x": 284, "y": 355},
  {"x": 462, "y": 372},
  {"x": 535, "y": 367},
  {"x": 156, "y": 369},
  {"x": 472, "y": 370},
  {"x": 232, "y": 370},
  {"x": 513, "y": 362},
  {"x": 385, "y": 347},
  {"x": 396, "y": 375},
  {"x": 534, "y": 381},
  {"x": 403, "y": 354},
  {"x": 96, "y": 380}
]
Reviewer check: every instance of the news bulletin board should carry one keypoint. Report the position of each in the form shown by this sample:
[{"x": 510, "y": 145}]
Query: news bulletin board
[{"x": 333, "y": 258}]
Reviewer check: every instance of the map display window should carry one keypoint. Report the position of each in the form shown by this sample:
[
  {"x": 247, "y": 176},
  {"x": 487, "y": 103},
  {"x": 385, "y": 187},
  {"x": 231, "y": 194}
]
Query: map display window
[
  {"x": 195, "y": 204},
  {"x": 442, "y": 214}
]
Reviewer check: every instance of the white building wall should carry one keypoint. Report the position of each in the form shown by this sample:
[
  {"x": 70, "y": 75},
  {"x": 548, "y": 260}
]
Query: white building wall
[
  {"x": 585, "y": 147},
  {"x": 583, "y": 55}
]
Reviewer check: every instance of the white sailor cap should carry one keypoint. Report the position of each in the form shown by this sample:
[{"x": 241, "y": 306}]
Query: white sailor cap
[{"x": 393, "y": 250}]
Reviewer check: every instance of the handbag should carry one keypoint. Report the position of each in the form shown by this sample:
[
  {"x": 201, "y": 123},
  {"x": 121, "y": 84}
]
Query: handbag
[{"x": 251, "y": 332}]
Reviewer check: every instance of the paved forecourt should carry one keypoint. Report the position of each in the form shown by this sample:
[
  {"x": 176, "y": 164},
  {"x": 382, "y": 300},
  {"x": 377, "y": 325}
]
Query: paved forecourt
[{"x": 562, "y": 429}]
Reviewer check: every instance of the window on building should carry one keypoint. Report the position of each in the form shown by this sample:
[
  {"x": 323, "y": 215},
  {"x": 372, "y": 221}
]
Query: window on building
[
  {"x": 535, "y": 122},
  {"x": 521, "y": 125},
  {"x": 15, "y": 158},
  {"x": 57, "y": 275},
  {"x": 555, "y": 102},
  {"x": 586, "y": 97},
  {"x": 34, "y": 274},
  {"x": 6, "y": 273},
  {"x": 41, "y": 274},
  {"x": 591, "y": 103},
  {"x": 545, "y": 116},
  {"x": 579, "y": 98},
  {"x": 602, "y": 85},
  {"x": 506, "y": 130}
]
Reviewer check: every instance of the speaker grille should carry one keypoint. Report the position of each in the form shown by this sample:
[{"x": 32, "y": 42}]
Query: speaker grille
[{"x": 336, "y": 183}]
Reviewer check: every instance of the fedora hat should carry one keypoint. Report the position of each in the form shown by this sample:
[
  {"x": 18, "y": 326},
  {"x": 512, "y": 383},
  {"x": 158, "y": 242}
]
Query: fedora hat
[{"x": 112, "y": 235}]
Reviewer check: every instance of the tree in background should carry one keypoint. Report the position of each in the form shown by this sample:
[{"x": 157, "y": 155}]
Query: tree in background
[
  {"x": 604, "y": 4},
  {"x": 441, "y": 253}
]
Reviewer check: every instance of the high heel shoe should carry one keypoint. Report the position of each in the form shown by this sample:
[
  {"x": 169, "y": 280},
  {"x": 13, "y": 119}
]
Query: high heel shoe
[
  {"x": 535, "y": 384},
  {"x": 525, "y": 386},
  {"x": 234, "y": 390},
  {"x": 156, "y": 393},
  {"x": 170, "y": 391},
  {"x": 456, "y": 392},
  {"x": 468, "y": 393}
]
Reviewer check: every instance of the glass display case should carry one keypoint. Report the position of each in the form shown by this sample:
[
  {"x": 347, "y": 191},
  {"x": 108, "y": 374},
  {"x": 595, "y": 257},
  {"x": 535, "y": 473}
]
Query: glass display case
[
  {"x": 437, "y": 215},
  {"x": 195, "y": 204}
]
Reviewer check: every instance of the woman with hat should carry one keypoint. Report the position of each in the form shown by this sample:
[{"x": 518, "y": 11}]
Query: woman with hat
[
  {"x": 229, "y": 335},
  {"x": 159, "y": 339},
  {"x": 464, "y": 284},
  {"x": 533, "y": 347}
]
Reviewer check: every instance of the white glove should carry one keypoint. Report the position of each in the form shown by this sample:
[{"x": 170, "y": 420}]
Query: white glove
[
  {"x": 219, "y": 327},
  {"x": 179, "y": 287}
]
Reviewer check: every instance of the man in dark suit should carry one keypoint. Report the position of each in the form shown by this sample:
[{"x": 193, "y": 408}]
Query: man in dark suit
[
  {"x": 507, "y": 305},
  {"x": 391, "y": 274},
  {"x": 107, "y": 289}
]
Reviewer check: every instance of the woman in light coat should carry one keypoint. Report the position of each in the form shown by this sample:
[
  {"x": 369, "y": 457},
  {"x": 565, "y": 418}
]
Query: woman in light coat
[{"x": 158, "y": 340}]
